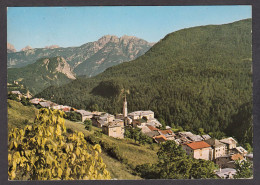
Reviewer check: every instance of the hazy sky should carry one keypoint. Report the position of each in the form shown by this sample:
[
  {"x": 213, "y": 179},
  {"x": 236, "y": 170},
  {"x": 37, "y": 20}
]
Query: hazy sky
[{"x": 74, "y": 26}]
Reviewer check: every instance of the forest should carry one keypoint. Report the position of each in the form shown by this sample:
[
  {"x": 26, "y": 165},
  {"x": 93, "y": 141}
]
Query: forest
[{"x": 197, "y": 78}]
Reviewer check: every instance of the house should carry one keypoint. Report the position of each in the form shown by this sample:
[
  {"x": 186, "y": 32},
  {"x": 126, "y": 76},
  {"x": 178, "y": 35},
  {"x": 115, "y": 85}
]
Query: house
[
  {"x": 228, "y": 161},
  {"x": 119, "y": 116},
  {"x": 138, "y": 122},
  {"x": 48, "y": 104},
  {"x": 168, "y": 134},
  {"x": 144, "y": 129},
  {"x": 57, "y": 107},
  {"x": 152, "y": 134},
  {"x": 195, "y": 138},
  {"x": 66, "y": 108},
  {"x": 226, "y": 173},
  {"x": 140, "y": 114},
  {"x": 36, "y": 100},
  {"x": 98, "y": 122},
  {"x": 206, "y": 137},
  {"x": 154, "y": 122},
  {"x": 106, "y": 117},
  {"x": 184, "y": 134},
  {"x": 198, "y": 150},
  {"x": 239, "y": 150},
  {"x": 18, "y": 93},
  {"x": 219, "y": 149},
  {"x": 160, "y": 139},
  {"x": 230, "y": 143},
  {"x": 113, "y": 129},
  {"x": 85, "y": 115}
]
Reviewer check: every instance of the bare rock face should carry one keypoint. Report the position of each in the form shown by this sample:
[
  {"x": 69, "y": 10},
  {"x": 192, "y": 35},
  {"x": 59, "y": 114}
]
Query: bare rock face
[
  {"x": 52, "y": 47},
  {"x": 10, "y": 48},
  {"x": 27, "y": 48},
  {"x": 64, "y": 67}
]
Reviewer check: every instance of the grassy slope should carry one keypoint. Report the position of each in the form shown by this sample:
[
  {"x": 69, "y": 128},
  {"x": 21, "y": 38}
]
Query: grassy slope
[
  {"x": 134, "y": 153},
  {"x": 17, "y": 113}
]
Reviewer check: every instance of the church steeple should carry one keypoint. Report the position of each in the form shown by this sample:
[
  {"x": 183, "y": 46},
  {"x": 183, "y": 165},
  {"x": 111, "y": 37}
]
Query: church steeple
[{"x": 125, "y": 108}]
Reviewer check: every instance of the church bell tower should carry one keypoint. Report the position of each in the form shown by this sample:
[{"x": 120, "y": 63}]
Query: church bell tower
[{"x": 125, "y": 108}]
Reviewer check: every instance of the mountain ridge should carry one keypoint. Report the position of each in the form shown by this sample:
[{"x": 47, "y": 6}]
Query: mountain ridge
[{"x": 124, "y": 49}]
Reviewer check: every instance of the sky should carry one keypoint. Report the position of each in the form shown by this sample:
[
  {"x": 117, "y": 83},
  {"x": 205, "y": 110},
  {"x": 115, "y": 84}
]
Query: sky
[{"x": 73, "y": 26}]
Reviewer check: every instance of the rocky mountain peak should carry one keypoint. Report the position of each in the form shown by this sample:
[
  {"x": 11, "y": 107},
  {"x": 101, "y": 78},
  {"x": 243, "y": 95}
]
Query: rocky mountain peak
[
  {"x": 52, "y": 47},
  {"x": 10, "y": 48},
  {"x": 26, "y": 48}
]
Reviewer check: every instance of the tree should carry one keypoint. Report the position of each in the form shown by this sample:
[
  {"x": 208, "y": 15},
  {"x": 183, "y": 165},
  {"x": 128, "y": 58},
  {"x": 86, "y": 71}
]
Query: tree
[
  {"x": 73, "y": 116},
  {"x": 12, "y": 96},
  {"x": 173, "y": 163},
  {"x": 244, "y": 169},
  {"x": 45, "y": 151},
  {"x": 25, "y": 101},
  {"x": 249, "y": 148},
  {"x": 202, "y": 169},
  {"x": 136, "y": 134},
  {"x": 163, "y": 123},
  {"x": 88, "y": 124}
]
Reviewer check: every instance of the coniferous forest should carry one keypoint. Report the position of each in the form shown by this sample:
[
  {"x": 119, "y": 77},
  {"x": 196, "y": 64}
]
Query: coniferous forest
[{"x": 197, "y": 78}]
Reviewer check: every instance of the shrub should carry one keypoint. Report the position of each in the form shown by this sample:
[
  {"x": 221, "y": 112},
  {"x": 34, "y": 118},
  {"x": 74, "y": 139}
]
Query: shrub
[{"x": 43, "y": 151}]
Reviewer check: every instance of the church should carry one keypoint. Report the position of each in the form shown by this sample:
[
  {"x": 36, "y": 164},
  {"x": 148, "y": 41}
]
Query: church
[{"x": 115, "y": 127}]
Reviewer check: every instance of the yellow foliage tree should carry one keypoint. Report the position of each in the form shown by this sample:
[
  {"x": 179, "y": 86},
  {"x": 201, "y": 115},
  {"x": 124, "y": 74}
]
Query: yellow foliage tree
[{"x": 45, "y": 151}]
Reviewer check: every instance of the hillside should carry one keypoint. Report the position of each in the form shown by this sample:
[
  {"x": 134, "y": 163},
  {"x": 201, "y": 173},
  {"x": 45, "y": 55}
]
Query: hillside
[
  {"x": 17, "y": 114},
  {"x": 41, "y": 74},
  {"x": 89, "y": 59},
  {"x": 194, "y": 78}
]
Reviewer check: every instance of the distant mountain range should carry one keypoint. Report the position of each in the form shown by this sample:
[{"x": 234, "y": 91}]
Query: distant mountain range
[{"x": 89, "y": 59}]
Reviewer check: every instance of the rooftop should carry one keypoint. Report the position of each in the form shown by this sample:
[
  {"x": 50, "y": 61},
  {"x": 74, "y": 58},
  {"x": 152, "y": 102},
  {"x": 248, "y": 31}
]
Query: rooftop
[
  {"x": 198, "y": 145},
  {"x": 160, "y": 138},
  {"x": 228, "y": 140},
  {"x": 214, "y": 142},
  {"x": 152, "y": 128}
]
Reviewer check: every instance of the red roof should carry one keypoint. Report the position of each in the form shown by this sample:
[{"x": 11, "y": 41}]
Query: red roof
[
  {"x": 160, "y": 138},
  {"x": 152, "y": 128},
  {"x": 166, "y": 132},
  {"x": 198, "y": 145}
]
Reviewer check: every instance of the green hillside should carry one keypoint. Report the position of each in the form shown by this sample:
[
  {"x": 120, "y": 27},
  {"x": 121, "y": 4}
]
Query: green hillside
[
  {"x": 194, "y": 78},
  {"x": 41, "y": 74},
  {"x": 18, "y": 114}
]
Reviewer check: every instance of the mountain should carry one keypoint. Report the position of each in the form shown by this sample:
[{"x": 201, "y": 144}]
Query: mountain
[
  {"x": 111, "y": 51},
  {"x": 10, "y": 48},
  {"x": 196, "y": 78},
  {"x": 41, "y": 74},
  {"x": 90, "y": 58},
  {"x": 27, "y": 48},
  {"x": 51, "y": 47}
]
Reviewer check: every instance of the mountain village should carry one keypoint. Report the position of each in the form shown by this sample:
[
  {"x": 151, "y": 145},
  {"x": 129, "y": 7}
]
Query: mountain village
[{"x": 222, "y": 152}]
